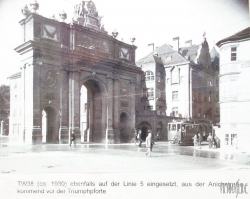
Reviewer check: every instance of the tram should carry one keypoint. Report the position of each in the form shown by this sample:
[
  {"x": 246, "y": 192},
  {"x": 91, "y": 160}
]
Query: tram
[{"x": 182, "y": 132}]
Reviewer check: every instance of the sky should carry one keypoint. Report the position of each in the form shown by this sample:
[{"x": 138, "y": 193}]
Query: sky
[{"x": 157, "y": 21}]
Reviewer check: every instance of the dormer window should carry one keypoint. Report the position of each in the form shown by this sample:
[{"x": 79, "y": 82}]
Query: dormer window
[{"x": 233, "y": 53}]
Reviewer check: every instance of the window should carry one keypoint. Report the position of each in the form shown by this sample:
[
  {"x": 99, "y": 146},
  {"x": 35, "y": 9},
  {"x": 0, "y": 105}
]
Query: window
[
  {"x": 199, "y": 112},
  {"x": 226, "y": 139},
  {"x": 149, "y": 75},
  {"x": 150, "y": 92},
  {"x": 150, "y": 107},
  {"x": 199, "y": 97},
  {"x": 144, "y": 93},
  {"x": 232, "y": 138},
  {"x": 175, "y": 111},
  {"x": 159, "y": 77},
  {"x": 175, "y": 76},
  {"x": 233, "y": 53},
  {"x": 175, "y": 95}
]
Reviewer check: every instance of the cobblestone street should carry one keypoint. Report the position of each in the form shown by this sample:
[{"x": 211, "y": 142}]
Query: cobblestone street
[{"x": 115, "y": 158}]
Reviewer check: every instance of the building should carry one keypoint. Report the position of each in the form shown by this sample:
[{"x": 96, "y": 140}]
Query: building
[
  {"x": 75, "y": 78},
  {"x": 234, "y": 89},
  {"x": 189, "y": 78}
]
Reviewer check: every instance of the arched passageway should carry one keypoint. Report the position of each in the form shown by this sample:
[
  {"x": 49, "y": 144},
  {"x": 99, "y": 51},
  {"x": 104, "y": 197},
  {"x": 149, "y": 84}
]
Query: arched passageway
[
  {"x": 49, "y": 126},
  {"x": 144, "y": 126},
  {"x": 124, "y": 128},
  {"x": 91, "y": 112}
]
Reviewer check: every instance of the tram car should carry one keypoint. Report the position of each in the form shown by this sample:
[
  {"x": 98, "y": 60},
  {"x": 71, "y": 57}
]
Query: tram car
[{"x": 181, "y": 133}]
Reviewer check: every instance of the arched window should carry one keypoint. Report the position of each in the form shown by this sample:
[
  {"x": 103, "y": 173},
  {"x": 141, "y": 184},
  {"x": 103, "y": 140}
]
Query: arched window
[{"x": 149, "y": 75}]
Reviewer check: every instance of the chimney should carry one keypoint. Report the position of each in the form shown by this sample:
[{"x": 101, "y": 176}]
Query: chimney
[{"x": 176, "y": 43}]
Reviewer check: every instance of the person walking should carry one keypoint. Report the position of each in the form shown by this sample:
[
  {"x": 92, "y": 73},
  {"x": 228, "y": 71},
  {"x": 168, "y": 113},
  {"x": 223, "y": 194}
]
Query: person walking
[
  {"x": 72, "y": 138},
  {"x": 199, "y": 140},
  {"x": 139, "y": 138},
  {"x": 210, "y": 140},
  {"x": 195, "y": 140},
  {"x": 135, "y": 137},
  {"x": 149, "y": 143}
]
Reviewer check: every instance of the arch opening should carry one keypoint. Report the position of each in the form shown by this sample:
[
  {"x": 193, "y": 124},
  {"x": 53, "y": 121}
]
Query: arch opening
[
  {"x": 49, "y": 126},
  {"x": 91, "y": 106}
]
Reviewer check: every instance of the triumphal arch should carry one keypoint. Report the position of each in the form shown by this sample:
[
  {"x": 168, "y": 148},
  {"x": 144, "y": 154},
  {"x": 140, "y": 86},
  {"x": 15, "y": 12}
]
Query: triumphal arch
[{"x": 76, "y": 78}]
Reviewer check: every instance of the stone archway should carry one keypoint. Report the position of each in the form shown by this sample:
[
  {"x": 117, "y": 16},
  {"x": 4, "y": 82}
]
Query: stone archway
[
  {"x": 124, "y": 128},
  {"x": 144, "y": 126},
  {"x": 92, "y": 111},
  {"x": 49, "y": 126}
]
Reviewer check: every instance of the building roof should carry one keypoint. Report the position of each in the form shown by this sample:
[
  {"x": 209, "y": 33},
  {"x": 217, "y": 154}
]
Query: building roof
[
  {"x": 167, "y": 54},
  {"x": 244, "y": 34},
  {"x": 16, "y": 75},
  {"x": 190, "y": 52}
]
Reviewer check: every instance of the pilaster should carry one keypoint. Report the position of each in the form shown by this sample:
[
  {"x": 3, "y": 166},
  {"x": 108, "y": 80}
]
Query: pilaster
[
  {"x": 110, "y": 111},
  {"x": 132, "y": 101},
  {"x": 74, "y": 105}
]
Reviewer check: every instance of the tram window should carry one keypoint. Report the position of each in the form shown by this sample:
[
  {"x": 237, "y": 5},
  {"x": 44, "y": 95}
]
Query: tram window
[
  {"x": 169, "y": 127},
  {"x": 173, "y": 127},
  {"x": 178, "y": 127}
]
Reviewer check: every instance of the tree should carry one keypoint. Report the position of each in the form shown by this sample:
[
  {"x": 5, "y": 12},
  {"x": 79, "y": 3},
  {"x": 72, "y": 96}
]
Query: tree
[{"x": 5, "y": 106}]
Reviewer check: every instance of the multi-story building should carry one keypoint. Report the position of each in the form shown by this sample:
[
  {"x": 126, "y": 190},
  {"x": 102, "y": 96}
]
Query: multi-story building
[
  {"x": 16, "y": 98},
  {"x": 191, "y": 81},
  {"x": 234, "y": 90}
]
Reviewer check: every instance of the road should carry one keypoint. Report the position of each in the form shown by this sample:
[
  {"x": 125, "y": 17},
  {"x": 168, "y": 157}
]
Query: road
[{"x": 57, "y": 158}]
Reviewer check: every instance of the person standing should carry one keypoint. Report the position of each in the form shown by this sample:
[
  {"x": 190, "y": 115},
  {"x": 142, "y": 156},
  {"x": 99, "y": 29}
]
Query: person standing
[
  {"x": 149, "y": 143},
  {"x": 210, "y": 140},
  {"x": 72, "y": 138}
]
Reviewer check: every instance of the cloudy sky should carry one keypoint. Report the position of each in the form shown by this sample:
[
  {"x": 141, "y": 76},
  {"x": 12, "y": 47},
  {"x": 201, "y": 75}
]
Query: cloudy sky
[{"x": 156, "y": 21}]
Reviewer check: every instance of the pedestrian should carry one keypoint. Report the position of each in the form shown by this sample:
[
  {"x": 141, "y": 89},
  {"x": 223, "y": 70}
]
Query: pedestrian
[
  {"x": 152, "y": 140},
  {"x": 72, "y": 139},
  {"x": 216, "y": 142},
  {"x": 210, "y": 140},
  {"x": 135, "y": 137},
  {"x": 158, "y": 136},
  {"x": 195, "y": 140},
  {"x": 139, "y": 138},
  {"x": 199, "y": 140},
  {"x": 149, "y": 143}
]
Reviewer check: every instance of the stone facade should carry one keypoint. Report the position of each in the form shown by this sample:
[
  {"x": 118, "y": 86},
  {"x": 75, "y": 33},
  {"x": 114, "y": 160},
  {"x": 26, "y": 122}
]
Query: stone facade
[
  {"x": 184, "y": 83},
  {"x": 71, "y": 68}
]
